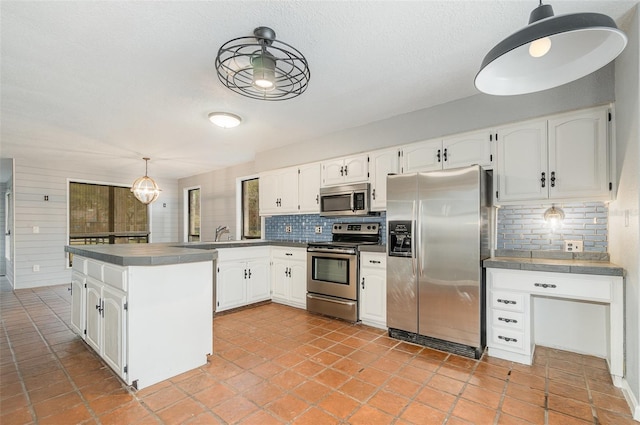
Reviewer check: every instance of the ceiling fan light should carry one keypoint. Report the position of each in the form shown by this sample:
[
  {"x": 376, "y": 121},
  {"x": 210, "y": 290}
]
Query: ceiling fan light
[
  {"x": 264, "y": 74},
  {"x": 582, "y": 43},
  {"x": 144, "y": 188},
  {"x": 225, "y": 119}
]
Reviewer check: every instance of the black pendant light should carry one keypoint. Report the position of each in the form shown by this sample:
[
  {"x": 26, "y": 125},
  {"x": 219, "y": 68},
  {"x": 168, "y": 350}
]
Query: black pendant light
[
  {"x": 261, "y": 67},
  {"x": 550, "y": 51}
]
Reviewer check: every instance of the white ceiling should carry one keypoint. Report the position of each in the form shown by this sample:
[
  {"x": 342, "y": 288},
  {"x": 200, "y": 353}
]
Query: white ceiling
[{"x": 106, "y": 83}]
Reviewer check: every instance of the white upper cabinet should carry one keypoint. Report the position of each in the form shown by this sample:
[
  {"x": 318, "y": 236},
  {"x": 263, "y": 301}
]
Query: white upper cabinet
[
  {"x": 468, "y": 149},
  {"x": 422, "y": 156},
  {"x": 451, "y": 152},
  {"x": 522, "y": 162},
  {"x": 309, "y": 188},
  {"x": 279, "y": 191},
  {"x": 563, "y": 158},
  {"x": 578, "y": 155},
  {"x": 352, "y": 169},
  {"x": 381, "y": 164}
]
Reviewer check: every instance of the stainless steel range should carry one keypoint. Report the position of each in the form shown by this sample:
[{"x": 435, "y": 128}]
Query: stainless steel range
[{"x": 332, "y": 270}]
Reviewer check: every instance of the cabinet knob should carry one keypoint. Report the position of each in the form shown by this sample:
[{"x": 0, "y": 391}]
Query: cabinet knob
[
  {"x": 342, "y": 171},
  {"x": 445, "y": 155},
  {"x": 363, "y": 283},
  {"x": 553, "y": 179},
  {"x": 373, "y": 194},
  {"x": 438, "y": 155},
  {"x": 543, "y": 179}
]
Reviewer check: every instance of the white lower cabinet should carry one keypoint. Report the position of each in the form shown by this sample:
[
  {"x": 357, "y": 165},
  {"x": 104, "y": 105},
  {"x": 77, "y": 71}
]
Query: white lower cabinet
[
  {"x": 289, "y": 276},
  {"x": 243, "y": 277},
  {"x": 373, "y": 289},
  {"x": 148, "y": 323},
  {"x": 511, "y": 326}
]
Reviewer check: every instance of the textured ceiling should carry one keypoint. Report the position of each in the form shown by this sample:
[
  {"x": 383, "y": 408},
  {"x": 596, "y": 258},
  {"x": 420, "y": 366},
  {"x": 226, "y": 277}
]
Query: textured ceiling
[{"x": 106, "y": 83}]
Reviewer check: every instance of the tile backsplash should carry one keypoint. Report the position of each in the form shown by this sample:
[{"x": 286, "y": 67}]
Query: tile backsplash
[
  {"x": 523, "y": 227},
  {"x": 303, "y": 226}
]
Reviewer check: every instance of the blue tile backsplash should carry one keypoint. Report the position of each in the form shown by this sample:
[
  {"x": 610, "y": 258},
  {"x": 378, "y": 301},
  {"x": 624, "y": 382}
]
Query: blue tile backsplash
[{"x": 303, "y": 226}]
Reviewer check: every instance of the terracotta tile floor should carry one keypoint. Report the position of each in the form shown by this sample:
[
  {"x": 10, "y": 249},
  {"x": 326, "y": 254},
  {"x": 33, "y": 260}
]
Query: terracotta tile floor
[{"x": 275, "y": 364}]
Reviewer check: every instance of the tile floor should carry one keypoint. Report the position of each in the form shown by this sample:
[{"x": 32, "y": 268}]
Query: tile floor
[{"x": 275, "y": 364}]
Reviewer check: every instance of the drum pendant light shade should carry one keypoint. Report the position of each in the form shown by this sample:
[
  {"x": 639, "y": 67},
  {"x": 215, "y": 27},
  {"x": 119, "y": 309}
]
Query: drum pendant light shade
[
  {"x": 549, "y": 52},
  {"x": 145, "y": 188},
  {"x": 261, "y": 67}
]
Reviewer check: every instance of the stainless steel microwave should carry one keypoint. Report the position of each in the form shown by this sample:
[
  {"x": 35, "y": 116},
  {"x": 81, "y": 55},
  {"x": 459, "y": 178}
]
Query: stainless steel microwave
[{"x": 344, "y": 200}]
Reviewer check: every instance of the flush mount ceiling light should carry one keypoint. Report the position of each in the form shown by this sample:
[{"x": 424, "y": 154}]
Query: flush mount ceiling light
[
  {"x": 225, "y": 119},
  {"x": 550, "y": 51},
  {"x": 144, "y": 188},
  {"x": 261, "y": 67}
]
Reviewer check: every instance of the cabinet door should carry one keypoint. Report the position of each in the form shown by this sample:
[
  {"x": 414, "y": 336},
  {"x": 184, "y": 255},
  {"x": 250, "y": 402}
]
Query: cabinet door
[
  {"x": 288, "y": 190},
  {"x": 422, "y": 156},
  {"x": 356, "y": 169},
  {"x": 298, "y": 283},
  {"x": 114, "y": 322},
  {"x": 78, "y": 308},
  {"x": 258, "y": 287},
  {"x": 373, "y": 289},
  {"x": 231, "y": 286},
  {"x": 332, "y": 172},
  {"x": 467, "y": 149},
  {"x": 280, "y": 280},
  {"x": 309, "y": 188},
  {"x": 578, "y": 155},
  {"x": 381, "y": 163},
  {"x": 94, "y": 316},
  {"x": 268, "y": 186},
  {"x": 522, "y": 162}
]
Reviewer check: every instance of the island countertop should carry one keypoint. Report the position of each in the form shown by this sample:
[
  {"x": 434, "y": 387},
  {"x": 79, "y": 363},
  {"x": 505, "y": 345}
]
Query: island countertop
[{"x": 558, "y": 262}]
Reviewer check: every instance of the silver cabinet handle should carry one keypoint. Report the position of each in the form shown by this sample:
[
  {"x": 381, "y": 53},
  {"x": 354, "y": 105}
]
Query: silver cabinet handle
[
  {"x": 500, "y": 300},
  {"x": 545, "y": 285},
  {"x": 507, "y": 339},
  {"x": 507, "y": 320},
  {"x": 363, "y": 283}
]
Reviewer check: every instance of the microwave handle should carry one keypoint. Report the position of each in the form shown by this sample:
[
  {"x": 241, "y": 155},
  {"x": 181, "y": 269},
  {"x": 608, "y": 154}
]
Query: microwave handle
[{"x": 353, "y": 197}]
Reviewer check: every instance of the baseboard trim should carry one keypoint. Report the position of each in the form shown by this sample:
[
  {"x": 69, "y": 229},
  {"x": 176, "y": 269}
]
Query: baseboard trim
[{"x": 631, "y": 399}]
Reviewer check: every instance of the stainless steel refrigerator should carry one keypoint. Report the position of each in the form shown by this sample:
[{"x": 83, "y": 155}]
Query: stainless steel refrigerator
[{"x": 438, "y": 235}]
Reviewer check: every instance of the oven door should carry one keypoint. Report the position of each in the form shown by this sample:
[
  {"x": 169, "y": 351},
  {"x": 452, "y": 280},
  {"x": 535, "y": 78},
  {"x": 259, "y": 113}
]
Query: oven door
[{"x": 334, "y": 274}]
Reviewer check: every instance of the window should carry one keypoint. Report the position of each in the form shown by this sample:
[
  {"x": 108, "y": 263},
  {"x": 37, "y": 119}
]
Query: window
[
  {"x": 194, "y": 214},
  {"x": 102, "y": 214},
  {"x": 251, "y": 223}
]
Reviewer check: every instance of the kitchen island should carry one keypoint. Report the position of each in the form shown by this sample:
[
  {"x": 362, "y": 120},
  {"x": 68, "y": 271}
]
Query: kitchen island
[
  {"x": 568, "y": 301},
  {"x": 146, "y": 309}
]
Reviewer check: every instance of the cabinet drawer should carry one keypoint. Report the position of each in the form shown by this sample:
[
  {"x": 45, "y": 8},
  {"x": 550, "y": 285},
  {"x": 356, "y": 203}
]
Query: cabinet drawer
[
  {"x": 507, "y": 339},
  {"x": 507, "y": 319},
  {"x": 299, "y": 254},
  {"x": 507, "y": 301},
  {"x": 373, "y": 260},
  {"x": 79, "y": 264},
  {"x": 94, "y": 270},
  {"x": 116, "y": 277}
]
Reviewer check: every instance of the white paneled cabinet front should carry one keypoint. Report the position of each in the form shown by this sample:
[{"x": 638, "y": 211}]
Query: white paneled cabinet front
[
  {"x": 148, "y": 323},
  {"x": 381, "y": 164},
  {"x": 351, "y": 169},
  {"x": 309, "y": 188},
  {"x": 422, "y": 156},
  {"x": 279, "y": 191},
  {"x": 289, "y": 276},
  {"x": 468, "y": 149},
  {"x": 373, "y": 289},
  {"x": 243, "y": 277},
  {"x": 562, "y": 158}
]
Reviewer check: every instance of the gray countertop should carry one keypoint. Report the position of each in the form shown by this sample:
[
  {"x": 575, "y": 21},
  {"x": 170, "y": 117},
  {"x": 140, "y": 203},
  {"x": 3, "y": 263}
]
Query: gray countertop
[
  {"x": 155, "y": 254},
  {"x": 587, "y": 263}
]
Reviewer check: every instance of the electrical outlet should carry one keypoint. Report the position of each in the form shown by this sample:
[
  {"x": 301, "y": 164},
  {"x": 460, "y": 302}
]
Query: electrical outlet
[
  {"x": 36, "y": 229},
  {"x": 287, "y": 229},
  {"x": 36, "y": 268},
  {"x": 318, "y": 229},
  {"x": 573, "y": 246}
]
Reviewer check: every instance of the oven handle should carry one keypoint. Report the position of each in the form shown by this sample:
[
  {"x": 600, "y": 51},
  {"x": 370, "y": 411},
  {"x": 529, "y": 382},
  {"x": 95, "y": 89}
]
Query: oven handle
[
  {"x": 332, "y": 251},
  {"x": 333, "y": 300}
]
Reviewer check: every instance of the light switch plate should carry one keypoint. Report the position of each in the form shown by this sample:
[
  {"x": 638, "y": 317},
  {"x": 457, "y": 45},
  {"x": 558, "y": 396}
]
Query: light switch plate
[{"x": 573, "y": 246}]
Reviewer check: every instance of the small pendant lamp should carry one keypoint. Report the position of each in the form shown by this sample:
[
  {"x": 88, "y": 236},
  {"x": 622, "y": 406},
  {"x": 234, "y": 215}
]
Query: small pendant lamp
[
  {"x": 550, "y": 51},
  {"x": 145, "y": 188}
]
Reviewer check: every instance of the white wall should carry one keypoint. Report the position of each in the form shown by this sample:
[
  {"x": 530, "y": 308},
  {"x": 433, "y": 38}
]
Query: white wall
[
  {"x": 46, "y": 249},
  {"x": 624, "y": 219},
  {"x": 217, "y": 199}
]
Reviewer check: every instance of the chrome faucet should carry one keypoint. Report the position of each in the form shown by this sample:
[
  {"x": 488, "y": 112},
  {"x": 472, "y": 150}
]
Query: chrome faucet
[{"x": 220, "y": 230}]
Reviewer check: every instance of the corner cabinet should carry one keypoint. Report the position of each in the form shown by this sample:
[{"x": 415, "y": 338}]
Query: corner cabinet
[
  {"x": 242, "y": 277},
  {"x": 563, "y": 158},
  {"x": 351, "y": 169},
  {"x": 139, "y": 321},
  {"x": 373, "y": 289},
  {"x": 289, "y": 276}
]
